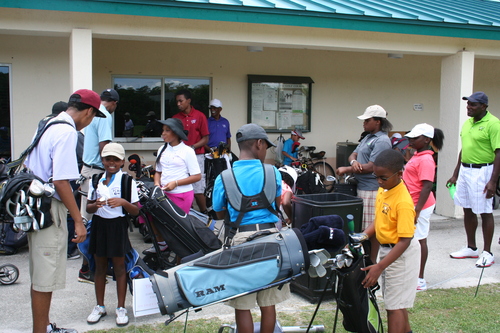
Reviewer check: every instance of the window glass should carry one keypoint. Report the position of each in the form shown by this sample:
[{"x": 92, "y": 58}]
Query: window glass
[
  {"x": 140, "y": 96},
  {"x": 5, "y": 132}
]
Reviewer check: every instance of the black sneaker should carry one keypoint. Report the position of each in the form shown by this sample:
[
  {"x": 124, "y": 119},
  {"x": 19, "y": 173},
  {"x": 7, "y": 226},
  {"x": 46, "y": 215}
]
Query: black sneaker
[
  {"x": 56, "y": 329},
  {"x": 87, "y": 277},
  {"x": 74, "y": 255}
]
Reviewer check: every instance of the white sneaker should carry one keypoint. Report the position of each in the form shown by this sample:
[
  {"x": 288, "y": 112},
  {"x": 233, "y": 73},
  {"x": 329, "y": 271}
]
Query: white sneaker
[
  {"x": 422, "y": 285},
  {"x": 121, "y": 317},
  {"x": 466, "y": 252},
  {"x": 485, "y": 260},
  {"x": 97, "y": 313}
]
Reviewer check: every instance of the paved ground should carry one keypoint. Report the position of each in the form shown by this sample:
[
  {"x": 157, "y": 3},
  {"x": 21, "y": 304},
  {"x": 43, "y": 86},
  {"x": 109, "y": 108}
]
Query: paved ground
[{"x": 71, "y": 306}]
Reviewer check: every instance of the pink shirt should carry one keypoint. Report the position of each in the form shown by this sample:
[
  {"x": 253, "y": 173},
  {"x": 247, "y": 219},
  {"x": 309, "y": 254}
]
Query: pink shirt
[{"x": 419, "y": 168}]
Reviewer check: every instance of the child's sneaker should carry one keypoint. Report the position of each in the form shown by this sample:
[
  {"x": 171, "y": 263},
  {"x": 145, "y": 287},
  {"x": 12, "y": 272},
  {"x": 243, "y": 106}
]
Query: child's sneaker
[
  {"x": 152, "y": 249},
  {"x": 97, "y": 313},
  {"x": 121, "y": 317},
  {"x": 466, "y": 252},
  {"x": 422, "y": 285},
  {"x": 485, "y": 260}
]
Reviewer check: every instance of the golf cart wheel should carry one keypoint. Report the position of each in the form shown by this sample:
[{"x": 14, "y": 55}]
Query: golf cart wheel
[{"x": 8, "y": 274}]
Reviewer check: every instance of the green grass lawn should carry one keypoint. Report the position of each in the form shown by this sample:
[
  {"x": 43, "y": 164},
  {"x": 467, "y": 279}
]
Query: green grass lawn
[{"x": 436, "y": 310}]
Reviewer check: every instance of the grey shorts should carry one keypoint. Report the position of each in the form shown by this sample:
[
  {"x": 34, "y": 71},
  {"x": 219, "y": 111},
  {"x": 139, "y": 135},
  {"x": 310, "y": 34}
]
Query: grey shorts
[
  {"x": 48, "y": 251},
  {"x": 199, "y": 186}
]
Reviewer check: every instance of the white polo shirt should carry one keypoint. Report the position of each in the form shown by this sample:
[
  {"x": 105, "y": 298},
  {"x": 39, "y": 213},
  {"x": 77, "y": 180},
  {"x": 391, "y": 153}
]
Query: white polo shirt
[
  {"x": 114, "y": 190},
  {"x": 176, "y": 163},
  {"x": 55, "y": 154}
]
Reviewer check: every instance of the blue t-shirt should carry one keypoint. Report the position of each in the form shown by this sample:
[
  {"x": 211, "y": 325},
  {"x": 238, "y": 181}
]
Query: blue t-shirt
[
  {"x": 287, "y": 147},
  {"x": 250, "y": 179},
  {"x": 219, "y": 131},
  {"x": 99, "y": 130}
]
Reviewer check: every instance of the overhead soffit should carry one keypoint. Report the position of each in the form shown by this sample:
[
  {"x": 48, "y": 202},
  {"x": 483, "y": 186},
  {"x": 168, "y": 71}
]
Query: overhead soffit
[{"x": 478, "y": 19}]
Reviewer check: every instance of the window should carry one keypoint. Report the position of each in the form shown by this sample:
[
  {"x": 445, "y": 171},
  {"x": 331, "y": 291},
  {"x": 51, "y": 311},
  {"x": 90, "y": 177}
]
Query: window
[
  {"x": 5, "y": 130},
  {"x": 141, "y": 95},
  {"x": 280, "y": 103}
]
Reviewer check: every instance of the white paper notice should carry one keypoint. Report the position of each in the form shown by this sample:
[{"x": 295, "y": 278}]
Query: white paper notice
[{"x": 144, "y": 298}]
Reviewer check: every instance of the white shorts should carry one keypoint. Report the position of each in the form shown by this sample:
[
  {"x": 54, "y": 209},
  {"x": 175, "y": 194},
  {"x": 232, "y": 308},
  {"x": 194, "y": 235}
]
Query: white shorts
[
  {"x": 470, "y": 186},
  {"x": 423, "y": 224},
  {"x": 199, "y": 186}
]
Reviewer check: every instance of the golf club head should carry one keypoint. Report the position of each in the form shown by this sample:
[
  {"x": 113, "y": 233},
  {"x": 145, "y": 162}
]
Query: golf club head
[
  {"x": 358, "y": 238},
  {"x": 38, "y": 203},
  {"x": 36, "y": 226},
  {"x": 314, "y": 260},
  {"x": 23, "y": 198},
  {"x": 42, "y": 219},
  {"x": 36, "y": 188},
  {"x": 49, "y": 190}
]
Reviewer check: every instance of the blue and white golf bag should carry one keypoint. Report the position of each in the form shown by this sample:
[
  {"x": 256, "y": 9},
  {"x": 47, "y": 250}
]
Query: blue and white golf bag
[{"x": 261, "y": 263}]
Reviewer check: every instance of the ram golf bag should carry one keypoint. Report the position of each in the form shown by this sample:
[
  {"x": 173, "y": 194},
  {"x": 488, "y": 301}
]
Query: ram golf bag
[{"x": 264, "y": 262}]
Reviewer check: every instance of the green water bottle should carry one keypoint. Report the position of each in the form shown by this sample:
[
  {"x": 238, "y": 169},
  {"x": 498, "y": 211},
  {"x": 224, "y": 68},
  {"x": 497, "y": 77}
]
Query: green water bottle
[
  {"x": 452, "y": 188},
  {"x": 350, "y": 223}
]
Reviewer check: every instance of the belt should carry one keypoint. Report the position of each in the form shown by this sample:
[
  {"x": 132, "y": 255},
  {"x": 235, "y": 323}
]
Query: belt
[
  {"x": 388, "y": 245},
  {"x": 93, "y": 166},
  {"x": 475, "y": 166},
  {"x": 256, "y": 227}
]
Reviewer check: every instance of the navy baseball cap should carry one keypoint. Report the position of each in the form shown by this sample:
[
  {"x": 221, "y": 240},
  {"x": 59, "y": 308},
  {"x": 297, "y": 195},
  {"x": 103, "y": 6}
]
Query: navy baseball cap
[
  {"x": 477, "y": 97},
  {"x": 110, "y": 94}
]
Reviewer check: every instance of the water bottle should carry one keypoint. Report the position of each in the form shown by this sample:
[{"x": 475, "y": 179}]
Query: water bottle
[
  {"x": 452, "y": 188},
  {"x": 350, "y": 223}
]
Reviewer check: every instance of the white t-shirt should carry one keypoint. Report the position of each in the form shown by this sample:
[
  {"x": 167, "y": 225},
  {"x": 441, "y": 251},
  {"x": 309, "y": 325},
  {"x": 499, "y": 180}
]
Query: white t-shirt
[
  {"x": 114, "y": 190},
  {"x": 55, "y": 154},
  {"x": 177, "y": 163}
]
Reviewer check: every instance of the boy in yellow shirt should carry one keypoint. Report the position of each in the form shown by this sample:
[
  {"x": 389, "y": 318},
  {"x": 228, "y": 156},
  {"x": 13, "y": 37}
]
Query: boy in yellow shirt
[{"x": 399, "y": 252}]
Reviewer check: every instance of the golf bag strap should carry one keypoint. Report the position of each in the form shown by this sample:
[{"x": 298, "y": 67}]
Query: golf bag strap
[
  {"x": 161, "y": 152},
  {"x": 242, "y": 203},
  {"x": 43, "y": 125}
]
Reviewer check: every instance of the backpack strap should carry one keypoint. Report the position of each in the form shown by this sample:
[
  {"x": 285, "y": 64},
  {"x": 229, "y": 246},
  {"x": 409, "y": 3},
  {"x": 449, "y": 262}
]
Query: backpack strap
[
  {"x": 95, "y": 181},
  {"x": 43, "y": 125},
  {"x": 126, "y": 189},
  {"x": 242, "y": 203}
]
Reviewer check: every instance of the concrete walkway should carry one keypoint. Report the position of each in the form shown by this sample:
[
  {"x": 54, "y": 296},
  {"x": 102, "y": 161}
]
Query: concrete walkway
[{"x": 71, "y": 306}]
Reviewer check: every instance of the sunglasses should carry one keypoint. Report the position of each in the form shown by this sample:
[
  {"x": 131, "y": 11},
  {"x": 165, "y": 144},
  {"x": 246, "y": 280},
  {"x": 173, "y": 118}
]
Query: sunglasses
[{"x": 384, "y": 179}]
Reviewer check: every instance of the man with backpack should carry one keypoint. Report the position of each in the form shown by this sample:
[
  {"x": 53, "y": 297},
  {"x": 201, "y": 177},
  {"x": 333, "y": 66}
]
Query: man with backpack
[
  {"x": 55, "y": 157},
  {"x": 249, "y": 174}
]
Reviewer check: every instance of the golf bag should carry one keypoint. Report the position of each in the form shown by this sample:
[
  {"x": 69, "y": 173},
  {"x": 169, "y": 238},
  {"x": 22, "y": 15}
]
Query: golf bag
[
  {"x": 309, "y": 182},
  {"x": 133, "y": 263},
  {"x": 184, "y": 234},
  {"x": 11, "y": 241},
  {"x": 260, "y": 263},
  {"x": 358, "y": 304}
]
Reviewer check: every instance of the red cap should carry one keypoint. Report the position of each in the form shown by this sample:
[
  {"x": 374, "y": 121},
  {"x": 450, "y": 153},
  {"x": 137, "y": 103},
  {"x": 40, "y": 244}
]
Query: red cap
[{"x": 88, "y": 97}]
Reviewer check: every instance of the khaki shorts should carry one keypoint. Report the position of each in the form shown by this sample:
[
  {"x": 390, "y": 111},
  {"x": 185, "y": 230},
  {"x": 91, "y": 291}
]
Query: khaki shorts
[
  {"x": 263, "y": 298},
  {"x": 87, "y": 173},
  {"x": 399, "y": 280},
  {"x": 199, "y": 186},
  {"x": 48, "y": 251}
]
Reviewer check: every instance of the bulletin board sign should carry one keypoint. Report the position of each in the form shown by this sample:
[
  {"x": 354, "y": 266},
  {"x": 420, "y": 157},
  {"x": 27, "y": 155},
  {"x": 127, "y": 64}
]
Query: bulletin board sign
[{"x": 280, "y": 103}]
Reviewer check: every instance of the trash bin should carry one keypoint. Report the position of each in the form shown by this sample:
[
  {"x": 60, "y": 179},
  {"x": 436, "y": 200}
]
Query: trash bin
[{"x": 310, "y": 205}]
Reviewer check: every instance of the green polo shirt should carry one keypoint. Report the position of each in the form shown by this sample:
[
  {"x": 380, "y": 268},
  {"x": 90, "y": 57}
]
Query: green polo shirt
[{"x": 480, "y": 139}]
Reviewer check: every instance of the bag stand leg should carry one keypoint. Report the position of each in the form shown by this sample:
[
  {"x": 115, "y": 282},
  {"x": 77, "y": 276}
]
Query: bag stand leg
[{"x": 327, "y": 284}]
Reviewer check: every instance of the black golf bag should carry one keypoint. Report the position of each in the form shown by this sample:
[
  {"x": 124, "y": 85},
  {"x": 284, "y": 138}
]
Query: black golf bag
[
  {"x": 358, "y": 304},
  {"x": 263, "y": 262},
  {"x": 11, "y": 241},
  {"x": 184, "y": 234}
]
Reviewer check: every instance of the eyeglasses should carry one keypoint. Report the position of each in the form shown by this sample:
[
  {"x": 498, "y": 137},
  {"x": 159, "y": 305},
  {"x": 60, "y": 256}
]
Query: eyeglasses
[{"x": 384, "y": 179}]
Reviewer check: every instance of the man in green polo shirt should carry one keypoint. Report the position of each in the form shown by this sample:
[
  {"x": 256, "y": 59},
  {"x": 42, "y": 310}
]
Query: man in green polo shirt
[{"x": 476, "y": 176}]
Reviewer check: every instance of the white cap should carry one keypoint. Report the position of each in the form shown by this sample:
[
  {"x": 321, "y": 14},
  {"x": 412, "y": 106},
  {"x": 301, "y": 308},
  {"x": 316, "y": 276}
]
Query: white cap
[
  {"x": 373, "y": 111},
  {"x": 421, "y": 129},
  {"x": 215, "y": 102},
  {"x": 396, "y": 136},
  {"x": 113, "y": 149}
]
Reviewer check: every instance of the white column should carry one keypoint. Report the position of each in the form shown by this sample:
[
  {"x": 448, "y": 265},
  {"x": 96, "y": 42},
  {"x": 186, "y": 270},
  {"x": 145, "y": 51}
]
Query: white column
[
  {"x": 80, "y": 59},
  {"x": 457, "y": 79}
]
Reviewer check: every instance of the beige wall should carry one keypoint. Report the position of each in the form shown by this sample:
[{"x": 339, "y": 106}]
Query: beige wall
[{"x": 345, "y": 82}]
